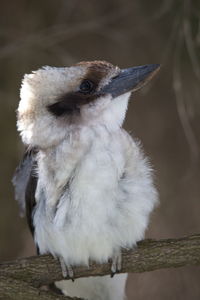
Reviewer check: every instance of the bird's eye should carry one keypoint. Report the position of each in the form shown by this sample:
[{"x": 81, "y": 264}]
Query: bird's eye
[{"x": 87, "y": 86}]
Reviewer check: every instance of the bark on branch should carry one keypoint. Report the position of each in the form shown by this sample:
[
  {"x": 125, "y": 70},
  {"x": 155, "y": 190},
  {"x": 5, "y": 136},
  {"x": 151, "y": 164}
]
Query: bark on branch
[{"x": 24, "y": 276}]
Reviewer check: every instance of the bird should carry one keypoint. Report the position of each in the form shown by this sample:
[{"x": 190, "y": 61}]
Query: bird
[{"x": 84, "y": 183}]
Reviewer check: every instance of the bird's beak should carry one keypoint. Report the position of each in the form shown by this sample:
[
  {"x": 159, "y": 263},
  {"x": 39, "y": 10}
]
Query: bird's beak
[{"x": 131, "y": 79}]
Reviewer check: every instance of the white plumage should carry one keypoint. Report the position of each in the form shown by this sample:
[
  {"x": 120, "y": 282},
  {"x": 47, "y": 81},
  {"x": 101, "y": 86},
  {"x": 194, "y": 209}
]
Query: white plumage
[{"x": 95, "y": 191}]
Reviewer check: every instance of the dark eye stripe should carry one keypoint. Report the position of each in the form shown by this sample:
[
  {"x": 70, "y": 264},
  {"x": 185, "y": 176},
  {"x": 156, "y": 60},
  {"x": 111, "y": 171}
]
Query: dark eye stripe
[
  {"x": 70, "y": 103},
  {"x": 60, "y": 108}
]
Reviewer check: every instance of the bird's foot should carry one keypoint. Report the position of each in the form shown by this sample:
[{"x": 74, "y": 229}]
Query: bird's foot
[
  {"x": 116, "y": 263},
  {"x": 67, "y": 270}
]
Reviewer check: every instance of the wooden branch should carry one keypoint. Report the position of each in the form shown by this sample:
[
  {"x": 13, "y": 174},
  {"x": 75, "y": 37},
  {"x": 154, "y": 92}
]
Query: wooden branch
[
  {"x": 20, "y": 290},
  {"x": 33, "y": 272}
]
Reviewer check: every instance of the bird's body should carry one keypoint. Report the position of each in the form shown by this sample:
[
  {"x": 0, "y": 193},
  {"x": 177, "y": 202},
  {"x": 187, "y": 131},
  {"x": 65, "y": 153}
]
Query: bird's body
[
  {"x": 94, "y": 190},
  {"x": 103, "y": 216}
]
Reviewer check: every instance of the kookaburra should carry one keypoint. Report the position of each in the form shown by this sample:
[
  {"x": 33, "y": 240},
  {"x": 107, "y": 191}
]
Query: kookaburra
[{"x": 84, "y": 182}]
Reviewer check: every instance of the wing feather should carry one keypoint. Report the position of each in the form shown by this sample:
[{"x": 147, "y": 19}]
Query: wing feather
[{"x": 25, "y": 183}]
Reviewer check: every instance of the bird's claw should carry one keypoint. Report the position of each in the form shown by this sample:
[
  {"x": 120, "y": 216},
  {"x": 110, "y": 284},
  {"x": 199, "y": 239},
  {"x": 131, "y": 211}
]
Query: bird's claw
[
  {"x": 116, "y": 264},
  {"x": 67, "y": 270}
]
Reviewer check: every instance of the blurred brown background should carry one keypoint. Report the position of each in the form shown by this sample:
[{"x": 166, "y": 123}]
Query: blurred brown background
[{"x": 164, "y": 115}]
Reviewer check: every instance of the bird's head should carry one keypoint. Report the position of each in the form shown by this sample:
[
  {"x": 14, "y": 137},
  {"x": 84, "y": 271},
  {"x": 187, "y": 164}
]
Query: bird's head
[{"x": 55, "y": 101}]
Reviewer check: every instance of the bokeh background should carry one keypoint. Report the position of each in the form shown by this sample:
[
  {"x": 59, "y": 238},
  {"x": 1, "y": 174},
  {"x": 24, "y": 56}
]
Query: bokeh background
[{"x": 164, "y": 115}]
